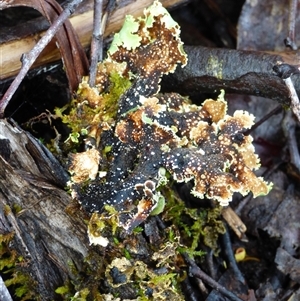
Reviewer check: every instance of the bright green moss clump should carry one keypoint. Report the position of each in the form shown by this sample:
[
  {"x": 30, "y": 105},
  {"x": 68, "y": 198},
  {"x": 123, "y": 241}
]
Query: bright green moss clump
[
  {"x": 196, "y": 226},
  {"x": 95, "y": 108}
]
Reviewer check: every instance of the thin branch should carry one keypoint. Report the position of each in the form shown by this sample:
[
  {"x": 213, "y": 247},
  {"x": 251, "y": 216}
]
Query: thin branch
[
  {"x": 235, "y": 71},
  {"x": 97, "y": 41},
  {"x": 235, "y": 223},
  {"x": 210, "y": 264},
  {"x": 230, "y": 256},
  {"x": 285, "y": 71},
  {"x": 290, "y": 40},
  {"x": 100, "y": 22},
  {"x": 29, "y": 58},
  {"x": 195, "y": 271},
  {"x": 295, "y": 105}
]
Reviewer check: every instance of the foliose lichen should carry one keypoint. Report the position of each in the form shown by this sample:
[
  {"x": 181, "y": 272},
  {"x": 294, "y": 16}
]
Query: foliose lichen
[{"x": 137, "y": 139}]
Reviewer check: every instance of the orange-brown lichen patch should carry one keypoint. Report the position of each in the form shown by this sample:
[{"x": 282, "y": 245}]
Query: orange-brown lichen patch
[
  {"x": 84, "y": 165},
  {"x": 202, "y": 132},
  {"x": 216, "y": 109},
  {"x": 152, "y": 106}
]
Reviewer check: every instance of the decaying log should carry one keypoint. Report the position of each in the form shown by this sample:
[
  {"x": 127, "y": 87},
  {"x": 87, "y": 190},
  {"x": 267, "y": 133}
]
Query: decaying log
[
  {"x": 12, "y": 48},
  {"x": 50, "y": 241}
]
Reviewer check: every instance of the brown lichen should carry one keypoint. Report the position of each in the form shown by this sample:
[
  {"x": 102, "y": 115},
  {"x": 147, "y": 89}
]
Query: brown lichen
[
  {"x": 149, "y": 132},
  {"x": 215, "y": 155}
]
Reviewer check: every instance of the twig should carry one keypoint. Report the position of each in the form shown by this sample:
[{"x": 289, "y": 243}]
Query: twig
[
  {"x": 289, "y": 127},
  {"x": 290, "y": 40},
  {"x": 97, "y": 39},
  {"x": 29, "y": 58},
  {"x": 189, "y": 290},
  {"x": 295, "y": 105},
  {"x": 235, "y": 223},
  {"x": 210, "y": 263},
  {"x": 285, "y": 71},
  {"x": 230, "y": 256},
  {"x": 195, "y": 271},
  {"x": 275, "y": 111}
]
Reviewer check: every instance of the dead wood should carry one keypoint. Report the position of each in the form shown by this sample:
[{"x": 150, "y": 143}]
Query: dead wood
[
  {"x": 243, "y": 72},
  {"x": 13, "y": 47},
  {"x": 50, "y": 241},
  {"x": 76, "y": 65},
  {"x": 72, "y": 53}
]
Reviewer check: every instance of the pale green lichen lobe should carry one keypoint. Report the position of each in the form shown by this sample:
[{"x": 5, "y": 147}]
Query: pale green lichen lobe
[
  {"x": 127, "y": 37},
  {"x": 137, "y": 33},
  {"x": 156, "y": 10}
]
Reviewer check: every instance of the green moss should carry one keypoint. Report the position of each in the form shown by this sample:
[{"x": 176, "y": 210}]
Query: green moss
[
  {"x": 195, "y": 225},
  {"x": 20, "y": 283},
  {"x": 81, "y": 295},
  {"x": 7, "y": 210},
  {"x": 156, "y": 280},
  {"x": 127, "y": 254},
  {"x": 82, "y": 116},
  {"x": 138, "y": 230},
  {"x": 66, "y": 293},
  {"x": 119, "y": 84},
  {"x": 63, "y": 290},
  {"x": 17, "y": 208}
]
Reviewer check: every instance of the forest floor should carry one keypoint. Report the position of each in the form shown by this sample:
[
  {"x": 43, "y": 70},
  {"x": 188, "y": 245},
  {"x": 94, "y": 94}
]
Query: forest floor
[{"x": 269, "y": 265}]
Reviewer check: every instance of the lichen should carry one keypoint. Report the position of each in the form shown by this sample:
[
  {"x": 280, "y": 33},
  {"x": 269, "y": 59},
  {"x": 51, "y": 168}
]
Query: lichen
[
  {"x": 138, "y": 139},
  {"x": 157, "y": 283},
  {"x": 214, "y": 67},
  {"x": 130, "y": 146},
  {"x": 200, "y": 144},
  {"x": 149, "y": 132}
]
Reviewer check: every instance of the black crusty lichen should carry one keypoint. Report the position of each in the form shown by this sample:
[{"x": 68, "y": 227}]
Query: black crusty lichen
[{"x": 138, "y": 139}]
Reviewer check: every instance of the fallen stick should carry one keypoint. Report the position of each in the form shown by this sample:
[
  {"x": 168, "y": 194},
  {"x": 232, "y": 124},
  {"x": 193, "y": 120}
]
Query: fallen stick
[{"x": 11, "y": 51}]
